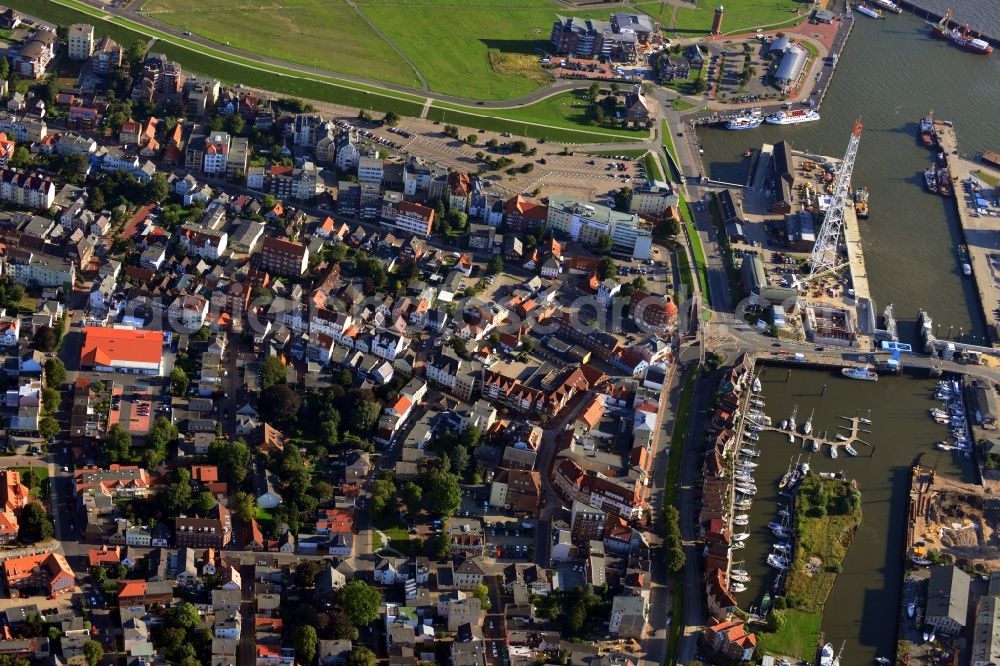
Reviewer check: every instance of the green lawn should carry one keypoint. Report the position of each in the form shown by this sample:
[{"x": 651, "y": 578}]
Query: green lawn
[
  {"x": 451, "y": 41},
  {"x": 744, "y": 16},
  {"x": 652, "y": 167},
  {"x": 609, "y": 154},
  {"x": 318, "y": 33},
  {"x": 797, "y": 638},
  {"x": 679, "y": 104},
  {"x": 986, "y": 178},
  {"x": 668, "y": 144}
]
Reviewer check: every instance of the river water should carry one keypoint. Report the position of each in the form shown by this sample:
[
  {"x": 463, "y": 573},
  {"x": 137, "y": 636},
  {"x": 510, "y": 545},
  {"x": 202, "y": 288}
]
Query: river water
[
  {"x": 981, "y": 15},
  {"x": 862, "y": 608},
  {"x": 890, "y": 74}
]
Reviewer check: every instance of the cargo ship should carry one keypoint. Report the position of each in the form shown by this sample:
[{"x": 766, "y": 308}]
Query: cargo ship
[
  {"x": 745, "y": 121},
  {"x": 792, "y": 117},
  {"x": 868, "y": 11},
  {"x": 861, "y": 202},
  {"x": 960, "y": 37},
  {"x": 928, "y": 135}
]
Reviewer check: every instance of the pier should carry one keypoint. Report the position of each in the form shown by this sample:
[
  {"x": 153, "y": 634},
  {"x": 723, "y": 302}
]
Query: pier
[
  {"x": 854, "y": 437},
  {"x": 981, "y": 232}
]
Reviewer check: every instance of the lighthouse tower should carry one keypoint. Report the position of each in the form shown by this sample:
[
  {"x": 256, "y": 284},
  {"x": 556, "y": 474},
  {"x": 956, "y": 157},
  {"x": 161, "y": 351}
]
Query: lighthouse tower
[{"x": 717, "y": 21}]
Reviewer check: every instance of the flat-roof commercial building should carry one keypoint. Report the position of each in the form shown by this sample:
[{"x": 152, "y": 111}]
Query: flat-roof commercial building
[{"x": 122, "y": 350}]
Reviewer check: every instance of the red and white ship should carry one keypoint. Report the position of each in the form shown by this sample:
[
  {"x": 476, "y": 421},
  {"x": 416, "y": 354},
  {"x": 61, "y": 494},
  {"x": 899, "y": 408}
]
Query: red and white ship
[{"x": 960, "y": 37}]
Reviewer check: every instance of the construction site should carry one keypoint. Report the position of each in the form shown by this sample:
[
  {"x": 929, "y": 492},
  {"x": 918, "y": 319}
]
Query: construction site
[{"x": 952, "y": 521}]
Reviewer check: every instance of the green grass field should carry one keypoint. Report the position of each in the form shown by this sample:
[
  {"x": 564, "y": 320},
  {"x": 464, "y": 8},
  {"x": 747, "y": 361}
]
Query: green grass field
[
  {"x": 652, "y": 167},
  {"x": 318, "y": 33},
  {"x": 740, "y": 17},
  {"x": 797, "y": 638}
]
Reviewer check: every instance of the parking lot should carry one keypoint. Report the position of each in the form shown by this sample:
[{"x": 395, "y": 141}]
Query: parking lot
[{"x": 134, "y": 408}]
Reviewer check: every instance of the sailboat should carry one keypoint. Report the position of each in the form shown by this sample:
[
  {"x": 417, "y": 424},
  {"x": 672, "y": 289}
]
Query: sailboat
[
  {"x": 786, "y": 478},
  {"x": 867, "y": 420},
  {"x": 741, "y": 519},
  {"x": 737, "y": 587},
  {"x": 742, "y": 536},
  {"x": 808, "y": 427},
  {"x": 755, "y": 386},
  {"x": 791, "y": 419},
  {"x": 815, "y": 445},
  {"x": 740, "y": 578}
]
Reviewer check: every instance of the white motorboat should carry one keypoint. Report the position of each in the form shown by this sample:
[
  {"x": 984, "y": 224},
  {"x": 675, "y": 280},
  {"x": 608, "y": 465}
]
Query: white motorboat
[
  {"x": 740, "y": 571},
  {"x": 740, "y": 579},
  {"x": 777, "y": 562},
  {"x": 737, "y": 587},
  {"x": 850, "y": 450},
  {"x": 749, "y": 464},
  {"x": 743, "y": 505},
  {"x": 882, "y": 660},
  {"x": 742, "y": 536},
  {"x": 747, "y": 490},
  {"x": 864, "y": 420},
  {"x": 753, "y": 427},
  {"x": 784, "y": 424},
  {"x": 826, "y": 655},
  {"x": 911, "y": 609},
  {"x": 751, "y": 436},
  {"x": 807, "y": 428},
  {"x": 757, "y": 402},
  {"x": 938, "y": 413},
  {"x": 782, "y": 548},
  {"x": 738, "y": 545},
  {"x": 833, "y": 451},
  {"x": 741, "y": 520},
  {"x": 755, "y": 386},
  {"x": 941, "y": 446},
  {"x": 753, "y": 453},
  {"x": 815, "y": 445},
  {"x": 791, "y": 438},
  {"x": 841, "y": 437}
]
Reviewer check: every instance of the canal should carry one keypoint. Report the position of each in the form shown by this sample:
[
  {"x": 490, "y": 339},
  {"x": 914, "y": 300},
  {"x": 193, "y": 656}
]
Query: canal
[
  {"x": 862, "y": 608},
  {"x": 890, "y": 74}
]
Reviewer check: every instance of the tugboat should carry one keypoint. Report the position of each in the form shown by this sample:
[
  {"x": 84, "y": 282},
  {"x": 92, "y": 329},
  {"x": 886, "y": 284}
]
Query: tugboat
[
  {"x": 928, "y": 136},
  {"x": 944, "y": 187},
  {"x": 861, "y": 203}
]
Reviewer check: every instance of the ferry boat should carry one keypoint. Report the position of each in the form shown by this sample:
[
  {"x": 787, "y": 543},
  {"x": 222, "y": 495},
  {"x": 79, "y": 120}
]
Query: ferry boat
[
  {"x": 745, "y": 121},
  {"x": 793, "y": 117},
  {"x": 868, "y": 11},
  {"x": 928, "y": 136},
  {"x": 889, "y": 5},
  {"x": 960, "y": 37},
  {"x": 861, "y": 202},
  {"x": 866, "y": 374}
]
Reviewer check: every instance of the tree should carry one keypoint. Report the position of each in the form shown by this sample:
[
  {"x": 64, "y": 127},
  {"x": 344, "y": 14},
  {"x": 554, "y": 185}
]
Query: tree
[
  {"x": 48, "y": 427},
  {"x": 280, "y": 403},
  {"x": 118, "y": 447},
  {"x": 412, "y": 496},
  {"x": 233, "y": 458},
  {"x": 383, "y": 491},
  {"x": 34, "y": 524},
  {"x": 93, "y": 653},
  {"x": 361, "y": 656},
  {"x": 272, "y": 372},
  {"x": 336, "y": 625},
  {"x": 45, "y": 339},
  {"x": 204, "y": 502},
  {"x": 187, "y": 616},
  {"x": 51, "y": 399},
  {"x": 458, "y": 344},
  {"x": 244, "y": 507},
  {"x": 365, "y": 415},
  {"x": 360, "y": 601},
  {"x": 594, "y": 91},
  {"x": 391, "y": 119},
  {"x": 495, "y": 266},
  {"x": 177, "y": 496},
  {"x": 306, "y": 572},
  {"x": 322, "y": 491},
  {"x": 442, "y": 493},
  {"x": 472, "y": 139},
  {"x": 179, "y": 381},
  {"x": 55, "y": 372},
  {"x": 482, "y": 593},
  {"x": 441, "y": 545},
  {"x": 305, "y": 641},
  {"x": 606, "y": 268},
  {"x": 776, "y": 621},
  {"x": 159, "y": 187}
]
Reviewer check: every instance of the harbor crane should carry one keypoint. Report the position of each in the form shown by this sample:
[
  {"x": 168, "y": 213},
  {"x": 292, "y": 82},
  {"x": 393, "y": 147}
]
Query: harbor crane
[{"x": 825, "y": 257}]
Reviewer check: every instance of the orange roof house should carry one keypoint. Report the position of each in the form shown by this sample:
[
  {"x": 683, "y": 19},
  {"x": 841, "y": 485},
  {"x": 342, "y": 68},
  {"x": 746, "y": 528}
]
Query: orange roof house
[
  {"x": 6, "y": 148},
  {"x": 16, "y": 495},
  {"x": 49, "y": 571},
  {"x": 104, "y": 556},
  {"x": 115, "y": 349}
]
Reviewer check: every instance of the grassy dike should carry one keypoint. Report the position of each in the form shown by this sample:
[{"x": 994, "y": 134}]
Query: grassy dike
[
  {"x": 232, "y": 69},
  {"x": 677, "y": 436}
]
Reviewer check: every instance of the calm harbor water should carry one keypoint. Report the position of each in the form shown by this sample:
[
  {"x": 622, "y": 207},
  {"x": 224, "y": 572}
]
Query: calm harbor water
[
  {"x": 862, "y": 609},
  {"x": 978, "y": 14},
  {"x": 890, "y": 74}
]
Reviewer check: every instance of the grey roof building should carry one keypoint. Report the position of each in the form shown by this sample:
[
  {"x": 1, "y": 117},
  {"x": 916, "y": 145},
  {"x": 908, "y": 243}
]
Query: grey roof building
[{"x": 947, "y": 599}]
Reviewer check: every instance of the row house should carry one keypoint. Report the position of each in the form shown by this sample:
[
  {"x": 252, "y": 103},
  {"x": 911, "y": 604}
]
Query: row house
[
  {"x": 511, "y": 392},
  {"x": 598, "y": 491},
  {"x": 23, "y": 130},
  {"x": 27, "y": 190}
]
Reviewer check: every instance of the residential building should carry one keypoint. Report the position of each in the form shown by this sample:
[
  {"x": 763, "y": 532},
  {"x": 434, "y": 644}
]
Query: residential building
[
  {"x": 283, "y": 257},
  {"x": 629, "y": 613},
  {"x": 118, "y": 481},
  {"x": 203, "y": 242},
  {"x": 196, "y": 532},
  {"x": 36, "y": 54},
  {"x": 586, "y": 222},
  {"x": 48, "y": 571},
  {"x": 29, "y": 190},
  {"x": 80, "y": 41},
  {"x": 523, "y": 215},
  {"x": 107, "y": 55},
  {"x": 654, "y": 199},
  {"x": 413, "y": 218},
  {"x": 733, "y": 639},
  {"x": 370, "y": 170},
  {"x": 216, "y": 156}
]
